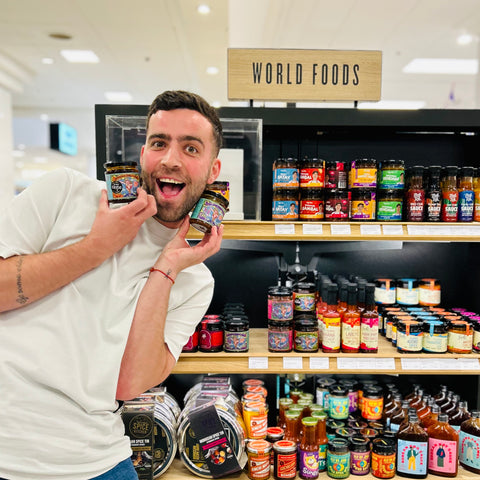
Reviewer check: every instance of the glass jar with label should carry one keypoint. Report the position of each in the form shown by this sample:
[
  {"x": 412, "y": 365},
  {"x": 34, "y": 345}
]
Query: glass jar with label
[
  {"x": 337, "y": 205},
  {"x": 409, "y": 336},
  {"x": 338, "y": 407},
  {"x": 391, "y": 174},
  {"x": 258, "y": 464},
  {"x": 407, "y": 291},
  {"x": 280, "y": 303},
  {"x": 236, "y": 335},
  {"x": 335, "y": 174},
  {"x": 312, "y": 173},
  {"x": 389, "y": 205},
  {"x": 304, "y": 297},
  {"x": 363, "y": 204},
  {"x": 211, "y": 335},
  {"x": 435, "y": 336},
  {"x": 284, "y": 460},
  {"x": 338, "y": 458},
  {"x": 311, "y": 204},
  {"x": 122, "y": 181},
  {"x": 385, "y": 291},
  {"x": 372, "y": 403},
  {"x": 383, "y": 458},
  {"x": 460, "y": 337},
  {"x": 285, "y": 204},
  {"x": 285, "y": 173},
  {"x": 280, "y": 336},
  {"x": 305, "y": 336},
  {"x": 429, "y": 292},
  {"x": 359, "y": 455},
  {"x": 363, "y": 173},
  {"x": 476, "y": 191}
]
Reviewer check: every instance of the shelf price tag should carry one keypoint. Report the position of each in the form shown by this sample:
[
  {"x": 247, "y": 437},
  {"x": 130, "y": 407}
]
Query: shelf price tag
[
  {"x": 293, "y": 363},
  {"x": 287, "y": 229},
  {"x": 365, "y": 363},
  {"x": 340, "y": 230},
  {"x": 370, "y": 230},
  {"x": 258, "y": 363},
  {"x": 392, "y": 229},
  {"x": 319, "y": 363},
  {"x": 450, "y": 364},
  {"x": 312, "y": 229}
]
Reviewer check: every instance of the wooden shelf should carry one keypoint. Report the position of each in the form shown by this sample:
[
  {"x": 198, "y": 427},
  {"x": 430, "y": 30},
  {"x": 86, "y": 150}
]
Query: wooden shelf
[
  {"x": 387, "y": 361},
  {"x": 348, "y": 231}
]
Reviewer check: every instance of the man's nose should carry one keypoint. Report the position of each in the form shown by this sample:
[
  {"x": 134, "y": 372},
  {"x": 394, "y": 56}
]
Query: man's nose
[{"x": 171, "y": 158}]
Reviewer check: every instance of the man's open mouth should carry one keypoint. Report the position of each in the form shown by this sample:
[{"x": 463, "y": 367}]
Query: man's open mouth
[{"x": 170, "y": 187}]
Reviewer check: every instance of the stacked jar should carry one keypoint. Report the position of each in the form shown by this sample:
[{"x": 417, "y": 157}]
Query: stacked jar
[
  {"x": 285, "y": 205},
  {"x": 391, "y": 184},
  {"x": 337, "y": 197},
  {"x": 415, "y": 195},
  {"x": 363, "y": 183},
  {"x": 312, "y": 182},
  {"x": 280, "y": 319}
]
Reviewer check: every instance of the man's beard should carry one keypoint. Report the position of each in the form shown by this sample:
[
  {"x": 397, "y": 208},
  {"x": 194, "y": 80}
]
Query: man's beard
[{"x": 166, "y": 213}]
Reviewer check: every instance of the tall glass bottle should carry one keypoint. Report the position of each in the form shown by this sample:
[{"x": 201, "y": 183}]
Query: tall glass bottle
[
  {"x": 432, "y": 417},
  {"x": 415, "y": 195},
  {"x": 459, "y": 416},
  {"x": 412, "y": 449},
  {"x": 449, "y": 195},
  {"x": 433, "y": 196},
  {"x": 469, "y": 439},
  {"x": 332, "y": 322},
  {"x": 322, "y": 440},
  {"x": 308, "y": 449},
  {"x": 391, "y": 409},
  {"x": 369, "y": 322},
  {"x": 292, "y": 431},
  {"x": 350, "y": 334},
  {"x": 401, "y": 417},
  {"x": 466, "y": 198},
  {"x": 442, "y": 448}
]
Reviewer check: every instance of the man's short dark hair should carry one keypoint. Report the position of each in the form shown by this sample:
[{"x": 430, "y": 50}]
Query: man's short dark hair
[{"x": 174, "y": 99}]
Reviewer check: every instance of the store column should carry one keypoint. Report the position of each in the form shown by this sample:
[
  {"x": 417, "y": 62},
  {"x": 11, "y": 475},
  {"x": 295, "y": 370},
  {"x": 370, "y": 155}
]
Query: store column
[{"x": 7, "y": 184}]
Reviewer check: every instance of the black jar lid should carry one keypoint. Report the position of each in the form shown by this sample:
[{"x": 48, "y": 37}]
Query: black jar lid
[
  {"x": 280, "y": 323},
  {"x": 383, "y": 446},
  {"x": 359, "y": 444},
  {"x": 120, "y": 164},
  {"x": 338, "y": 445},
  {"x": 338, "y": 390},
  {"x": 279, "y": 291},
  {"x": 236, "y": 324}
]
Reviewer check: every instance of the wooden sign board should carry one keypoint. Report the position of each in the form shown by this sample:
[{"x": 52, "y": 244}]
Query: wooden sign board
[{"x": 304, "y": 75}]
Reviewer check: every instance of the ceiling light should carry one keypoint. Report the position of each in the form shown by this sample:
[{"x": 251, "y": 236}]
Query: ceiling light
[
  {"x": 459, "y": 66},
  {"x": 212, "y": 70},
  {"x": 392, "y": 105},
  {"x": 79, "y": 56},
  {"x": 118, "y": 96},
  {"x": 203, "y": 9},
  {"x": 47, "y": 61},
  {"x": 465, "y": 39}
]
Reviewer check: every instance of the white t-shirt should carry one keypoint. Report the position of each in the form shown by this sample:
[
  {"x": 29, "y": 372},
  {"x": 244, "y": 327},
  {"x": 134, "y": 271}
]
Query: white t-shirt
[{"x": 60, "y": 356}]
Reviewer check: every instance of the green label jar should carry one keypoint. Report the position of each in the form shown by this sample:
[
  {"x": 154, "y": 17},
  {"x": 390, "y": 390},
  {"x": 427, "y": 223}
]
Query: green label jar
[
  {"x": 389, "y": 205},
  {"x": 338, "y": 458},
  {"x": 392, "y": 174}
]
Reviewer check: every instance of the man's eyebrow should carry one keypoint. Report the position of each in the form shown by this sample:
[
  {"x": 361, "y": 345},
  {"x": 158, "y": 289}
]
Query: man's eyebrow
[
  {"x": 191, "y": 138},
  {"x": 159, "y": 136}
]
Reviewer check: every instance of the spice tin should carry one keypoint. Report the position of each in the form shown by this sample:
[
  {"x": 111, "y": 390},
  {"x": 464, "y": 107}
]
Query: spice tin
[
  {"x": 359, "y": 455},
  {"x": 285, "y": 204},
  {"x": 429, "y": 292},
  {"x": 209, "y": 211},
  {"x": 338, "y": 458},
  {"x": 460, "y": 337},
  {"x": 236, "y": 335},
  {"x": 363, "y": 204},
  {"x": 363, "y": 173},
  {"x": 409, "y": 336},
  {"x": 122, "y": 181},
  {"x": 258, "y": 464},
  {"x": 280, "y": 336},
  {"x": 435, "y": 336},
  {"x": 165, "y": 447},
  {"x": 383, "y": 458},
  {"x": 284, "y": 460},
  {"x": 305, "y": 337}
]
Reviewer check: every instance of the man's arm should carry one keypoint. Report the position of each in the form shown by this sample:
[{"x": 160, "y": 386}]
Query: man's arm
[
  {"x": 147, "y": 360},
  {"x": 26, "y": 278}
]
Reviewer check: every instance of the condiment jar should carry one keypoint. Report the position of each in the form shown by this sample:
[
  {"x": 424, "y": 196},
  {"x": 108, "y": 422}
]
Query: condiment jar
[
  {"x": 409, "y": 336},
  {"x": 389, "y": 205},
  {"x": 383, "y": 458},
  {"x": 460, "y": 337},
  {"x": 305, "y": 336},
  {"x": 372, "y": 403},
  {"x": 285, "y": 204},
  {"x": 255, "y": 416},
  {"x": 385, "y": 291},
  {"x": 338, "y": 408},
  {"x": 359, "y": 455},
  {"x": 429, "y": 292},
  {"x": 280, "y": 336},
  {"x": 311, "y": 204},
  {"x": 391, "y": 174},
  {"x": 363, "y": 173},
  {"x": 122, "y": 181},
  {"x": 335, "y": 174},
  {"x": 435, "y": 338},
  {"x": 338, "y": 458},
  {"x": 211, "y": 335},
  {"x": 284, "y": 460},
  {"x": 280, "y": 303},
  {"x": 209, "y": 211},
  {"x": 236, "y": 335},
  {"x": 407, "y": 291},
  {"x": 312, "y": 173},
  {"x": 363, "y": 204},
  {"x": 285, "y": 173},
  {"x": 258, "y": 464},
  {"x": 304, "y": 297},
  {"x": 337, "y": 205}
]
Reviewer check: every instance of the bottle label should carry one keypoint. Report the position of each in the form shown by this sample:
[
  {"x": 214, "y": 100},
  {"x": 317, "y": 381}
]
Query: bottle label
[
  {"x": 280, "y": 309},
  {"x": 383, "y": 466},
  {"x": 415, "y": 205},
  {"x": 372, "y": 408},
  {"x": 308, "y": 464},
  {"x": 435, "y": 343},
  {"x": 359, "y": 463},
  {"x": 350, "y": 335},
  {"x": 369, "y": 333},
  {"x": 338, "y": 407},
  {"x": 434, "y": 206},
  {"x": 363, "y": 210},
  {"x": 442, "y": 456},
  {"x": 391, "y": 179},
  {"x": 311, "y": 177},
  {"x": 285, "y": 210},
  {"x": 311, "y": 209},
  {"x": 469, "y": 446},
  {"x": 412, "y": 457},
  {"x": 286, "y": 465},
  {"x": 466, "y": 200},
  {"x": 389, "y": 210},
  {"x": 476, "y": 214},
  {"x": 331, "y": 334},
  {"x": 338, "y": 465},
  {"x": 306, "y": 341},
  {"x": 285, "y": 177},
  {"x": 385, "y": 296},
  {"x": 322, "y": 457},
  {"x": 449, "y": 206}
]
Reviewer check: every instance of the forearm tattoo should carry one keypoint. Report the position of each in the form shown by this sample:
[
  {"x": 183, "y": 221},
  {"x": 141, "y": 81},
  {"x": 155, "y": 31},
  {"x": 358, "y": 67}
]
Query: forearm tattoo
[{"x": 21, "y": 299}]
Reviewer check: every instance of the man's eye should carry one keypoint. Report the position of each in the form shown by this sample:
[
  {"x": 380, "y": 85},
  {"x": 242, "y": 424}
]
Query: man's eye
[
  {"x": 192, "y": 149},
  {"x": 158, "y": 144}
]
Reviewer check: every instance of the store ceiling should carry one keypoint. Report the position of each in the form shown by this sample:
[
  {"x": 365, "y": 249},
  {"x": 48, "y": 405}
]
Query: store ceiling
[{"x": 153, "y": 45}]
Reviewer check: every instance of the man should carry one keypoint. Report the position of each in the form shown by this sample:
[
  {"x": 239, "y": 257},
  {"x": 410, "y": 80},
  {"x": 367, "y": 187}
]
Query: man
[{"x": 97, "y": 303}]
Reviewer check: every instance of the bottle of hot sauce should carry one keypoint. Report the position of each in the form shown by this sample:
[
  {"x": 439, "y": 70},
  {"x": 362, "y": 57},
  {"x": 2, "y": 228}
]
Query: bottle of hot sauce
[
  {"x": 449, "y": 195},
  {"x": 442, "y": 448},
  {"x": 369, "y": 322},
  {"x": 466, "y": 196},
  {"x": 308, "y": 449},
  {"x": 415, "y": 196},
  {"x": 350, "y": 337},
  {"x": 331, "y": 322}
]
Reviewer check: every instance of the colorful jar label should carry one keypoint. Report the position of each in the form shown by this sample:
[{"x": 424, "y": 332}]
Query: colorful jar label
[
  {"x": 307, "y": 464},
  {"x": 460, "y": 341},
  {"x": 363, "y": 209},
  {"x": 122, "y": 186},
  {"x": 280, "y": 309},
  {"x": 391, "y": 179},
  {"x": 383, "y": 466},
  {"x": 311, "y": 177},
  {"x": 359, "y": 463},
  {"x": 429, "y": 297},
  {"x": 285, "y": 465},
  {"x": 353, "y": 401},
  {"x": 336, "y": 208},
  {"x": 435, "y": 343},
  {"x": 311, "y": 209},
  {"x": 407, "y": 296},
  {"x": 306, "y": 341},
  {"x": 350, "y": 335},
  {"x": 285, "y": 178},
  {"x": 259, "y": 467},
  {"x": 236, "y": 341},
  {"x": 412, "y": 457},
  {"x": 409, "y": 342},
  {"x": 372, "y": 408},
  {"x": 476, "y": 340},
  {"x": 442, "y": 456},
  {"x": 280, "y": 340},
  {"x": 385, "y": 296},
  {"x": 338, "y": 465},
  {"x": 469, "y": 450},
  {"x": 257, "y": 424},
  {"x": 389, "y": 210},
  {"x": 363, "y": 177},
  {"x": 285, "y": 210},
  {"x": 210, "y": 340},
  {"x": 322, "y": 457},
  {"x": 304, "y": 302},
  {"x": 208, "y": 212},
  {"x": 338, "y": 407}
]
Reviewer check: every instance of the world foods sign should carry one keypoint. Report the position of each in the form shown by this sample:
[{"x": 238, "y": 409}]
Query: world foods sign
[{"x": 308, "y": 75}]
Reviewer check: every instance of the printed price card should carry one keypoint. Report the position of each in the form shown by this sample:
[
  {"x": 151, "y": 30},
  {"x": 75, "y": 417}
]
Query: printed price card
[
  {"x": 258, "y": 363},
  {"x": 340, "y": 230},
  {"x": 319, "y": 363},
  {"x": 287, "y": 229},
  {"x": 293, "y": 363},
  {"x": 370, "y": 230},
  {"x": 312, "y": 229},
  {"x": 392, "y": 230},
  {"x": 365, "y": 363}
]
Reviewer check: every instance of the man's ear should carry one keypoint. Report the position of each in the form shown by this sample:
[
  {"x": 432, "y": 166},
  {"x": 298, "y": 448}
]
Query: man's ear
[{"x": 214, "y": 170}]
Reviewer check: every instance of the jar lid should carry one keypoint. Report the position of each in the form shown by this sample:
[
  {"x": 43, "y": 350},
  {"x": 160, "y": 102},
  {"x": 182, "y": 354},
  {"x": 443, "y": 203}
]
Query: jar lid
[
  {"x": 417, "y": 170},
  {"x": 383, "y": 446},
  {"x": 279, "y": 291},
  {"x": 338, "y": 390},
  {"x": 260, "y": 407},
  {"x": 338, "y": 445},
  {"x": 326, "y": 382},
  {"x": 306, "y": 322},
  {"x": 309, "y": 421},
  {"x": 369, "y": 432},
  {"x": 259, "y": 446},
  {"x": 280, "y": 323},
  {"x": 334, "y": 424},
  {"x": 284, "y": 446},
  {"x": 359, "y": 444},
  {"x": 120, "y": 164},
  {"x": 236, "y": 322},
  {"x": 345, "y": 432},
  {"x": 392, "y": 161},
  {"x": 275, "y": 432},
  {"x": 217, "y": 196}
]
